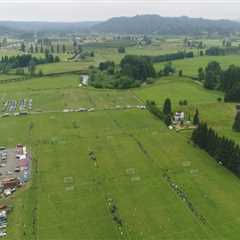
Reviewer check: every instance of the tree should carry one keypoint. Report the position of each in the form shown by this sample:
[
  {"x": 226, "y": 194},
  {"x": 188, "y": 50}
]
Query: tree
[
  {"x": 233, "y": 95},
  {"x": 41, "y": 49},
  {"x": 121, "y": 50},
  {"x": 36, "y": 48},
  {"x": 230, "y": 77},
  {"x": 63, "y": 48},
  {"x": 58, "y": 48},
  {"x": 167, "y": 107},
  {"x": 56, "y": 59},
  {"x": 196, "y": 120},
  {"x": 168, "y": 69},
  {"x": 32, "y": 68},
  {"x": 46, "y": 53},
  {"x": 40, "y": 73},
  {"x": 201, "y": 74},
  {"x": 80, "y": 49},
  {"x": 23, "y": 47},
  {"x": 168, "y": 120},
  {"x": 103, "y": 66},
  {"x": 52, "y": 49},
  {"x": 74, "y": 44},
  {"x": 212, "y": 75},
  {"x": 31, "y": 49},
  {"x": 236, "y": 124},
  {"x": 180, "y": 73},
  {"x": 137, "y": 67}
]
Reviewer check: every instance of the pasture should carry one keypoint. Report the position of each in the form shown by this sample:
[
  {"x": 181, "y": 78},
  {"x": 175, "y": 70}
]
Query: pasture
[{"x": 190, "y": 66}]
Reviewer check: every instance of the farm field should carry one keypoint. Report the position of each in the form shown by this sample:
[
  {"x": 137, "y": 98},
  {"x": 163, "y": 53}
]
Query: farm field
[
  {"x": 177, "y": 89},
  {"x": 116, "y": 154},
  {"x": 64, "y": 67},
  {"x": 8, "y": 76},
  {"x": 218, "y": 115},
  {"x": 133, "y": 152},
  {"x": 62, "y": 92}
]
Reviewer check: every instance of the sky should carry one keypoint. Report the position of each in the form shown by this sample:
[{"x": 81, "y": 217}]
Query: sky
[{"x": 91, "y": 10}]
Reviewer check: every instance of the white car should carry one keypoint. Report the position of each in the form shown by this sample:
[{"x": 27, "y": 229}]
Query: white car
[
  {"x": 3, "y": 234},
  {"x": 3, "y": 226}
]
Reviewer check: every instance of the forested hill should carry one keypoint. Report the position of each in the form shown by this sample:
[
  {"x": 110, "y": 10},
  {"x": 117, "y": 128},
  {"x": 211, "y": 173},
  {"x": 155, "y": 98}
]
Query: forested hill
[
  {"x": 148, "y": 24},
  {"x": 141, "y": 24}
]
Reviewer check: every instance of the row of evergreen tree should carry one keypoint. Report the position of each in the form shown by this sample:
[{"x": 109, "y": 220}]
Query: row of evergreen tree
[
  {"x": 219, "y": 51},
  {"x": 51, "y": 48},
  {"x": 25, "y": 60},
  {"x": 225, "y": 151},
  {"x": 156, "y": 111},
  {"x": 170, "y": 57}
]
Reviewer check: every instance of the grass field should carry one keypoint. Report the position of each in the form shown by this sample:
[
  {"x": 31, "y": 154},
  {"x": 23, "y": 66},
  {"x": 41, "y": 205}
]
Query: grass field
[
  {"x": 139, "y": 161},
  {"x": 177, "y": 89},
  {"x": 67, "y": 198},
  {"x": 64, "y": 67},
  {"x": 60, "y": 92},
  {"x": 190, "y": 66}
]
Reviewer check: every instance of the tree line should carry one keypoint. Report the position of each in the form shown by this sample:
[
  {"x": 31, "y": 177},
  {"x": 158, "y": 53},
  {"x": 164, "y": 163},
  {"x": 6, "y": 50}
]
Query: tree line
[
  {"x": 25, "y": 60},
  {"x": 219, "y": 51},
  {"x": 42, "y": 49},
  {"x": 214, "y": 77},
  {"x": 170, "y": 57},
  {"x": 225, "y": 151},
  {"x": 132, "y": 72}
]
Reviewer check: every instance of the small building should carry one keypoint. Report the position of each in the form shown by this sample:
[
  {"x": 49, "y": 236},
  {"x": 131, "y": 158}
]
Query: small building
[
  {"x": 179, "y": 117},
  {"x": 84, "y": 79}
]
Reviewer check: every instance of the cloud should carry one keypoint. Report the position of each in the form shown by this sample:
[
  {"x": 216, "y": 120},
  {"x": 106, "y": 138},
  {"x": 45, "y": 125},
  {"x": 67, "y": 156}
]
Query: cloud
[{"x": 79, "y": 10}]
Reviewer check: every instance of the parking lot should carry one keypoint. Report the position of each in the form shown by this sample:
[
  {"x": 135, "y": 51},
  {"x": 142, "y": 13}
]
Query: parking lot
[
  {"x": 8, "y": 164},
  {"x": 14, "y": 163}
]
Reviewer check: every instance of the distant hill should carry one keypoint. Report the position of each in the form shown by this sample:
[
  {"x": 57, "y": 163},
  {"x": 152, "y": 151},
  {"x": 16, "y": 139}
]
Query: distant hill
[
  {"x": 47, "y": 26},
  {"x": 148, "y": 24},
  {"x": 141, "y": 24},
  {"x": 4, "y": 30}
]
